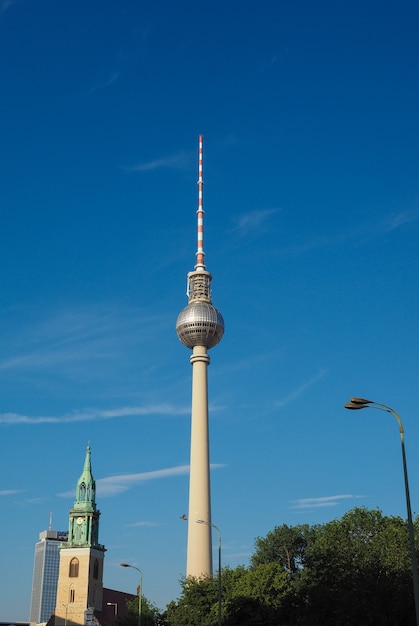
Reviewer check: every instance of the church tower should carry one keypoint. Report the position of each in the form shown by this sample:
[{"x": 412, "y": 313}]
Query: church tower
[{"x": 80, "y": 578}]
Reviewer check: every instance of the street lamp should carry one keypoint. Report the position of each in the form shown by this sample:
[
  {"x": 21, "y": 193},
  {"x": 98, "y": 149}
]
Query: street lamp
[
  {"x": 115, "y": 605},
  {"x": 139, "y": 590},
  {"x": 361, "y": 403},
  {"x": 66, "y": 611},
  {"x": 201, "y": 521}
]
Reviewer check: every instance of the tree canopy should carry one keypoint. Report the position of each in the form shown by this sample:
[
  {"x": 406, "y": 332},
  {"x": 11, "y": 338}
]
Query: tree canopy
[
  {"x": 150, "y": 614},
  {"x": 348, "y": 572}
]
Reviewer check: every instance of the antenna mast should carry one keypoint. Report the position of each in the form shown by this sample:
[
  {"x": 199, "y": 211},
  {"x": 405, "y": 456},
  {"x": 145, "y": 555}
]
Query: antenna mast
[{"x": 200, "y": 266}]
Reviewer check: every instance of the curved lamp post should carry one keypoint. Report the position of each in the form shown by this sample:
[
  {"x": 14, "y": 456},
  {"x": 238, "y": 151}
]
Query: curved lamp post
[
  {"x": 361, "y": 403},
  {"x": 201, "y": 521},
  {"x": 140, "y": 588}
]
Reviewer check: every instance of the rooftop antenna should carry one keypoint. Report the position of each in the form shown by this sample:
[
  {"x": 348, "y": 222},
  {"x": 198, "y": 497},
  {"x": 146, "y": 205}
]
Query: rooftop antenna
[{"x": 50, "y": 521}]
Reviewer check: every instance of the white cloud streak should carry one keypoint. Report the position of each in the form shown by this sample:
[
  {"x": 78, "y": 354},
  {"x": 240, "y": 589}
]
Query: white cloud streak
[
  {"x": 143, "y": 525},
  {"x": 89, "y": 415},
  {"x": 5, "y": 4},
  {"x": 113, "y": 485},
  {"x": 77, "y": 336},
  {"x": 9, "y": 492},
  {"x": 253, "y": 221},
  {"x": 325, "y": 501},
  {"x": 300, "y": 390},
  {"x": 239, "y": 555},
  {"x": 392, "y": 222},
  {"x": 181, "y": 160},
  {"x": 360, "y": 235},
  {"x": 113, "y": 78}
]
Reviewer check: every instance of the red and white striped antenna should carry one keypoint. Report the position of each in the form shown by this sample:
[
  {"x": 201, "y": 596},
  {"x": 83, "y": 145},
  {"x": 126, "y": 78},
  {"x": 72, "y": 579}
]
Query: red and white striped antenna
[{"x": 200, "y": 265}]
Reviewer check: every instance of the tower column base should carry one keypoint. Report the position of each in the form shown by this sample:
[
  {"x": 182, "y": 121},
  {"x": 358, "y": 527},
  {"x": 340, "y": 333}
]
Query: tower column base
[{"x": 199, "y": 559}]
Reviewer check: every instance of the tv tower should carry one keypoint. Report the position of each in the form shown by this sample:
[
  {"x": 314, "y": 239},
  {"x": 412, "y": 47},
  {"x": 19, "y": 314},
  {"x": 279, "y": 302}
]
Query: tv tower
[{"x": 199, "y": 326}]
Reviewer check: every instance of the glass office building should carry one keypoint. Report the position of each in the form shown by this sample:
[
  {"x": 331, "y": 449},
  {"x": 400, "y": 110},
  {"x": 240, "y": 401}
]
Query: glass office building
[{"x": 45, "y": 575}]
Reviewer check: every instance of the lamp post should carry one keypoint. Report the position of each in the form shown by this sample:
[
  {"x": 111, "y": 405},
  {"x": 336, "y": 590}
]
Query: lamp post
[
  {"x": 115, "y": 605},
  {"x": 66, "y": 612},
  {"x": 201, "y": 521},
  {"x": 139, "y": 590},
  {"x": 361, "y": 403}
]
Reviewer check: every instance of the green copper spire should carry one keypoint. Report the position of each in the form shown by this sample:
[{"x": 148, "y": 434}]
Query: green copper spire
[
  {"x": 84, "y": 517},
  {"x": 86, "y": 486}
]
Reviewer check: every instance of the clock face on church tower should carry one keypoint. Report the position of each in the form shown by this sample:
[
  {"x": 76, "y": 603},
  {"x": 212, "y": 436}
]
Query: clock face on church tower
[{"x": 79, "y": 520}]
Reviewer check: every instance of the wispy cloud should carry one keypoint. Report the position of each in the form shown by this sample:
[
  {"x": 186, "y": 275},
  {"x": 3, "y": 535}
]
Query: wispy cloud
[
  {"x": 9, "y": 492},
  {"x": 99, "y": 86},
  {"x": 181, "y": 160},
  {"x": 5, "y": 4},
  {"x": 268, "y": 63},
  {"x": 301, "y": 389},
  {"x": 91, "y": 414},
  {"x": 317, "y": 243},
  {"x": 76, "y": 337},
  {"x": 35, "y": 500},
  {"x": 275, "y": 58},
  {"x": 143, "y": 525},
  {"x": 325, "y": 501},
  {"x": 396, "y": 220},
  {"x": 239, "y": 555},
  {"x": 112, "y": 485},
  {"x": 253, "y": 221},
  {"x": 360, "y": 235}
]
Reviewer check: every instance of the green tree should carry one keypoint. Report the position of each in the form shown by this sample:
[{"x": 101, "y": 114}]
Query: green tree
[
  {"x": 257, "y": 596},
  {"x": 198, "y": 602},
  {"x": 358, "y": 571},
  {"x": 195, "y": 605},
  {"x": 285, "y": 545},
  {"x": 250, "y": 597},
  {"x": 353, "y": 571},
  {"x": 150, "y": 614}
]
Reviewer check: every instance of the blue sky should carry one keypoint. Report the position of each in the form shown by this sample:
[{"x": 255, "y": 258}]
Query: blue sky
[{"x": 309, "y": 117}]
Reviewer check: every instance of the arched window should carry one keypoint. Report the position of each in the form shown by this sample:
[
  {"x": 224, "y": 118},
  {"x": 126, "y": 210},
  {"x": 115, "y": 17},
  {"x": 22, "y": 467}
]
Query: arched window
[
  {"x": 74, "y": 568},
  {"x": 72, "y": 595},
  {"x": 96, "y": 569},
  {"x": 82, "y": 492}
]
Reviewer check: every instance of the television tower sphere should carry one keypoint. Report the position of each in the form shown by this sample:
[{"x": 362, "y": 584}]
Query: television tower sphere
[{"x": 200, "y": 324}]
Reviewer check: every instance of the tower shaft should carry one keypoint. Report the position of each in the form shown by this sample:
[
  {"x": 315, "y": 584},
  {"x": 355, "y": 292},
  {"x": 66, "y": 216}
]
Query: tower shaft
[{"x": 199, "y": 554}]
